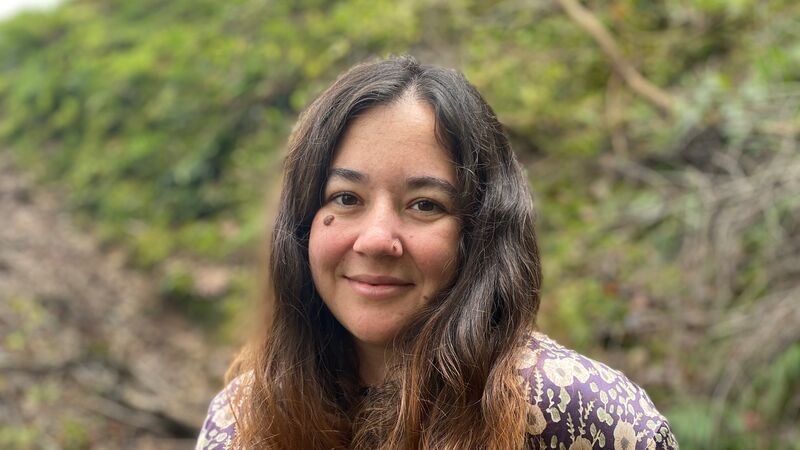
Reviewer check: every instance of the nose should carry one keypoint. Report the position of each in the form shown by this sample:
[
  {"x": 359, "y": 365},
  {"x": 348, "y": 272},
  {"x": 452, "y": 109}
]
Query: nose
[{"x": 379, "y": 235}]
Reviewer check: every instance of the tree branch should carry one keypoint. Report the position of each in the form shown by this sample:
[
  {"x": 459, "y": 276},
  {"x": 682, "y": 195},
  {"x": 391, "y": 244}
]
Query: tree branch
[{"x": 638, "y": 84}]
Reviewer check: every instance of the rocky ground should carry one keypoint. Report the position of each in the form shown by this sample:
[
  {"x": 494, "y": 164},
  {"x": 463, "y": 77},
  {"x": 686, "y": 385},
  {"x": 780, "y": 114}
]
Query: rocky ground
[{"x": 88, "y": 356}]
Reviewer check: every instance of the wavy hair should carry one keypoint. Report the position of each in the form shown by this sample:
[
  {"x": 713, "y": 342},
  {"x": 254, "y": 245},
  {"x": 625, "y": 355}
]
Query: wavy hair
[{"x": 453, "y": 383}]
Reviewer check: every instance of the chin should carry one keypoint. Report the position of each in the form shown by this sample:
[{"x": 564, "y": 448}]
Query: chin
[{"x": 375, "y": 334}]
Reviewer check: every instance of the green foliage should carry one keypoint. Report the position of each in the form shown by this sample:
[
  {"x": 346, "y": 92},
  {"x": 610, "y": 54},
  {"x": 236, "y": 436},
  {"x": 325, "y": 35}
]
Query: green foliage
[
  {"x": 156, "y": 117},
  {"x": 16, "y": 437},
  {"x": 692, "y": 422},
  {"x": 176, "y": 287},
  {"x": 769, "y": 404},
  {"x": 165, "y": 123},
  {"x": 757, "y": 420},
  {"x": 74, "y": 435}
]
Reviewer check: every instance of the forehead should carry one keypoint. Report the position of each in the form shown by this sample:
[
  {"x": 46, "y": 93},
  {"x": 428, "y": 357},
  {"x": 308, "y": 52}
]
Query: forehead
[{"x": 396, "y": 139}]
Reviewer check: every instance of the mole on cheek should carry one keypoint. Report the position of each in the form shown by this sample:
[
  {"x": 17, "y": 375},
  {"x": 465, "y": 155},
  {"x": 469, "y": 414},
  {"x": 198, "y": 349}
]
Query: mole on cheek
[{"x": 328, "y": 220}]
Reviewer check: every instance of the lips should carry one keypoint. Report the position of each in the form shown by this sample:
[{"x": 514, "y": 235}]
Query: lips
[{"x": 378, "y": 286}]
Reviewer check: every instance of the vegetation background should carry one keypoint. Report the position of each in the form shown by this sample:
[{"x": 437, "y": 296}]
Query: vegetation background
[{"x": 660, "y": 139}]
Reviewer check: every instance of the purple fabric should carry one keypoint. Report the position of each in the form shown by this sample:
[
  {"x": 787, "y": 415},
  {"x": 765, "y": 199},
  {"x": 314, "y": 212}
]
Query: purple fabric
[
  {"x": 577, "y": 403},
  {"x": 220, "y": 424},
  {"x": 574, "y": 403}
]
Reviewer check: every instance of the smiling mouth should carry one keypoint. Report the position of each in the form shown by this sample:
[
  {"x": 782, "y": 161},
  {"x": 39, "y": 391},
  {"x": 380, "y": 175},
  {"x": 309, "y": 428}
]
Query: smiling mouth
[{"x": 378, "y": 287}]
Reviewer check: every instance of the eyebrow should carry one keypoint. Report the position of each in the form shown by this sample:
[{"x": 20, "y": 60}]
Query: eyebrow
[
  {"x": 420, "y": 182},
  {"x": 348, "y": 174},
  {"x": 432, "y": 182}
]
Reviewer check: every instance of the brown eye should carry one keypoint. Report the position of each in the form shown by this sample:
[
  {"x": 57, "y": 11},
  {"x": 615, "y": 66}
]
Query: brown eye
[
  {"x": 346, "y": 199},
  {"x": 426, "y": 206}
]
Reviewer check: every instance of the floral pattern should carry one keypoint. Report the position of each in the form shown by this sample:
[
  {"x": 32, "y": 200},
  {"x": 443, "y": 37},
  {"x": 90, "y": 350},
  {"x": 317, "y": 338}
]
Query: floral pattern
[
  {"x": 585, "y": 404},
  {"x": 220, "y": 424},
  {"x": 574, "y": 403}
]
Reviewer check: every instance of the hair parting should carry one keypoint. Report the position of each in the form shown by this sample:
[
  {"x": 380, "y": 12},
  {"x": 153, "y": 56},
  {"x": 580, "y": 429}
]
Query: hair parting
[{"x": 453, "y": 383}]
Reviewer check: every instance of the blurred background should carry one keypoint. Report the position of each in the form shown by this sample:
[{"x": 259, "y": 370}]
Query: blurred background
[{"x": 140, "y": 152}]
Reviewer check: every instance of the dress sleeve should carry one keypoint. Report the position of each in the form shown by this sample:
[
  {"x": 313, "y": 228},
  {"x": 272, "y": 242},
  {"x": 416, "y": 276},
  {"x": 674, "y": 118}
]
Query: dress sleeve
[
  {"x": 577, "y": 403},
  {"x": 219, "y": 427}
]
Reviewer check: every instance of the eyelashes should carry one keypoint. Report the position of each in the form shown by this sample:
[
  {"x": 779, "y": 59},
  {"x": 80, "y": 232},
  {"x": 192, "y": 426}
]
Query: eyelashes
[
  {"x": 346, "y": 199},
  {"x": 427, "y": 206},
  {"x": 423, "y": 205}
]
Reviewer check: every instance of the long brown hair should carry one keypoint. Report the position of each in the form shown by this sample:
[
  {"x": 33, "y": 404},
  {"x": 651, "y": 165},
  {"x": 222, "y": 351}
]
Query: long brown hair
[{"x": 453, "y": 384}]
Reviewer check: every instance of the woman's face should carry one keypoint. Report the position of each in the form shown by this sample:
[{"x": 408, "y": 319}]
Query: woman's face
[{"x": 385, "y": 240}]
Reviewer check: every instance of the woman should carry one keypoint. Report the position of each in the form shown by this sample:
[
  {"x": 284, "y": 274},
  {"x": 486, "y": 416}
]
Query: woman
[{"x": 405, "y": 284}]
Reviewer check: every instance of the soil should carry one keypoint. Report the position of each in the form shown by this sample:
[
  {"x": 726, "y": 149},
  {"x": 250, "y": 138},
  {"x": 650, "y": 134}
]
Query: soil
[{"x": 89, "y": 355}]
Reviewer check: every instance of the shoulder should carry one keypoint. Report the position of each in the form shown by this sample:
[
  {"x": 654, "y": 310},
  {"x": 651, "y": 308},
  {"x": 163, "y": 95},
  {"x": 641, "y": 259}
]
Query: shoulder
[
  {"x": 219, "y": 427},
  {"x": 582, "y": 404}
]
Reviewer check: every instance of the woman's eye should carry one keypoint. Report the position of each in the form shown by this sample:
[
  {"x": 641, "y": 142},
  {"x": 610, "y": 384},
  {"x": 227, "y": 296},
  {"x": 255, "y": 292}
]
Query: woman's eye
[
  {"x": 426, "y": 206},
  {"x": 346, "y": 199}
]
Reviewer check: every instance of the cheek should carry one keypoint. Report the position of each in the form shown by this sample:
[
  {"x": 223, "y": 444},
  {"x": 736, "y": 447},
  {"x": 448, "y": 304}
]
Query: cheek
[
  {"x": 437, "y": 254},
  {"x": 325, "y": 247}
]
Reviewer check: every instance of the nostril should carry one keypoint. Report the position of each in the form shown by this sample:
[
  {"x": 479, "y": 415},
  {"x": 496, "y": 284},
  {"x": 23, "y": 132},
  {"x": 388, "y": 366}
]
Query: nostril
[{"x": 376, "y": 245}]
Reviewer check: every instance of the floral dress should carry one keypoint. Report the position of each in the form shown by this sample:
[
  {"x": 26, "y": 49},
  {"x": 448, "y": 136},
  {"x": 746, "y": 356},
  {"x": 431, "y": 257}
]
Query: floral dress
[{"x": 574, "y": 403}]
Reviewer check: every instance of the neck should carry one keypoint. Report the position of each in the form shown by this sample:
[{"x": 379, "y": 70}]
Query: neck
[{"x": 372, "y": 362}]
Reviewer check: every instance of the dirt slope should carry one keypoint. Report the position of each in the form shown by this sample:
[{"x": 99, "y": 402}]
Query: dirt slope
[{"x": 88, "y": 356}]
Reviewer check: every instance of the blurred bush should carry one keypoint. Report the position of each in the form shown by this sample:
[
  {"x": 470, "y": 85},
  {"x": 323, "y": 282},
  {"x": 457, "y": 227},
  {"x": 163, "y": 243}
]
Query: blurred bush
[{"x": 670, "y": 237}]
